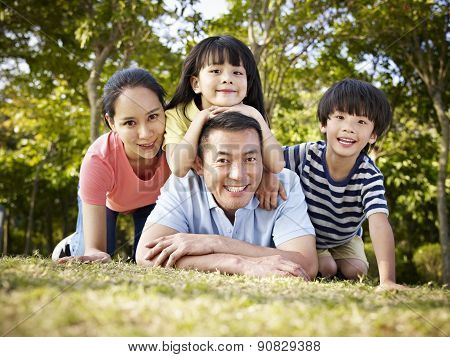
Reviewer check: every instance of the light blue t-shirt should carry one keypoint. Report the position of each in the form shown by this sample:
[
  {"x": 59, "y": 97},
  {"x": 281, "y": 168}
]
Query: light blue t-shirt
[{"x": 186, "y": 206}]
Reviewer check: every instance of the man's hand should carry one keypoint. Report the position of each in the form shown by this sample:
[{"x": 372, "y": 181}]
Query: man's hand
[
  {"x": 272, "y": 265},
  {"x": 389, "y": 285},
  {"x": 168, "y": 250},
  {"x": 99, "y": 257},
  {"x": 268, "y": 191}
]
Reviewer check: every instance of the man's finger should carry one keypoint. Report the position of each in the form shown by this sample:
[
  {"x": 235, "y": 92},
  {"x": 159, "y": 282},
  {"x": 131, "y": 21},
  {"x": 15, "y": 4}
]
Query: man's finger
[
  {"x": 282, "y": 192},
  {"x": 174, "y": 257},
  {"x": 155, "y": 241},
  {"x": 153, "y": 252},
  {"x": 273, "y": 200},
  {"x": 162, "y": 257}
]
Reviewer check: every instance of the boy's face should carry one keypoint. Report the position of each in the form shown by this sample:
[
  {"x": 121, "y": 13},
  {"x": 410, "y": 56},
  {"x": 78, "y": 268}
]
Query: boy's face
[{"x": 347, "y": 135}]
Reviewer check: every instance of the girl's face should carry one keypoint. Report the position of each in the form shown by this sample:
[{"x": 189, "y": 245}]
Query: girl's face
[
  {"x": 140, "y": 122},
  {"x": 222, "y": 85}
]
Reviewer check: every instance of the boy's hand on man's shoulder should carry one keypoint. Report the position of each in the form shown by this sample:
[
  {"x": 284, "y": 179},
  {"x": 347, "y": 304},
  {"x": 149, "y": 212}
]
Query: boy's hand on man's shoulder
[{"x": 268, "y": 191}]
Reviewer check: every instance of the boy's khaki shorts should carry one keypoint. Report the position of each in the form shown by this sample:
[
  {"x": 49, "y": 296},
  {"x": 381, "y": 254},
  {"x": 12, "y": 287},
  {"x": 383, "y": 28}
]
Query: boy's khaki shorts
[{"x": 351, "y": 250}]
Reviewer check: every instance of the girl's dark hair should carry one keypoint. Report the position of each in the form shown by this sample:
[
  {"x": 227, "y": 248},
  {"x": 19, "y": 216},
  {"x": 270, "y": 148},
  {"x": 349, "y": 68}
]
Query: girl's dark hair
[
  {"x": 228, "y": 121},
  {"x": 127, "y": 78},
  {"x": 219, "y": 49},
  {"x": 359, "y": 98}
]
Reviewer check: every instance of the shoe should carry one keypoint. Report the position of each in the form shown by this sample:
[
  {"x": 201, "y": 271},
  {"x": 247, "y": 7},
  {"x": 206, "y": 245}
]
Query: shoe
[{"x": 62, "y": 249}]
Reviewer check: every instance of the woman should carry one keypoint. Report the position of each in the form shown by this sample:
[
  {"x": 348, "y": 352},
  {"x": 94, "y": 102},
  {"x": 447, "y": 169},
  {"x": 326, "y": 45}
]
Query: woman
[{"x": 123, "y": 170}]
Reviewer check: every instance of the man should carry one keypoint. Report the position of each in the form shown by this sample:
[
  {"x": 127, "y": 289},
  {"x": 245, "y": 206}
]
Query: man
[{"x": 210, "y": 220}]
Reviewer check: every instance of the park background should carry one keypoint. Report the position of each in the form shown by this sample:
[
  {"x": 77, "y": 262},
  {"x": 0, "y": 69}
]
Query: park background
[{"x": 56, "y": 56}]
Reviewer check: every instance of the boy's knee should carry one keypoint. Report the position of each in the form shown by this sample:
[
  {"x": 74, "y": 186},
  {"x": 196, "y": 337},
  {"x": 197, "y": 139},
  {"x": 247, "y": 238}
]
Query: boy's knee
[
  {"x": 352, "y": 269},
  {"x": 327, "y": 267}
]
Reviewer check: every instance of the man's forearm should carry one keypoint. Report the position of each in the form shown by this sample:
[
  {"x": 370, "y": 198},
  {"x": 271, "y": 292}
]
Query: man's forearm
[
  {"x": 224, "y": 263},
  {"x": 226, "y": 245}
]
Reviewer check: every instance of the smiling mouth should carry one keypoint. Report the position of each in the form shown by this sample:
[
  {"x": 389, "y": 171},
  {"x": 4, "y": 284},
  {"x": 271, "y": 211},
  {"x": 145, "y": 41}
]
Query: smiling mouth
[
  {"x": 346, "y": 141},
  {"x": 235, "y": 188},
  {"x": 226, "y": 91},
  {"x": 146, "y": 146}
]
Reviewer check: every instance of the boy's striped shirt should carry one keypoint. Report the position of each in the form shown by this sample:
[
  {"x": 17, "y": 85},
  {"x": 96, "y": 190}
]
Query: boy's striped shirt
[{"x": 337, "y": 209}]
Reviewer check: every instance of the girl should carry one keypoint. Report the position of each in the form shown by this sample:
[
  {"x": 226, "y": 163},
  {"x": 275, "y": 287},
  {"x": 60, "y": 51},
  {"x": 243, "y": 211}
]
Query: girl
[
  {"x": 123, "y": 170},
  {"x": 219, "y": 74}
]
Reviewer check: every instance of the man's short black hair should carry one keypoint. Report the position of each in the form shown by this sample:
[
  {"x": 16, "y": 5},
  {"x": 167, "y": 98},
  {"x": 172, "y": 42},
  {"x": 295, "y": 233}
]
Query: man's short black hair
[
  {"x": 359, "y": 98},
  {"x": 228, "y": 121}
]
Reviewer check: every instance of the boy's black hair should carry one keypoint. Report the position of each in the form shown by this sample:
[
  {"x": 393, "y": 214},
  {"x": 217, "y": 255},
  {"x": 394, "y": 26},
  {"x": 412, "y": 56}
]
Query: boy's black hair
[
  {"x": 359, "y": 98},
  {"x": 127, "y": 78},
  {"x": 219, "y": 49},
  {"x": 228, "y": 121}
]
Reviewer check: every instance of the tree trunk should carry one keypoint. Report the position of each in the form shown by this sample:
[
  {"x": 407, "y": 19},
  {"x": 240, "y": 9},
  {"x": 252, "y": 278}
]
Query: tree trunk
[
  {"x": 64, "y": 212},
  {"x": 49, "y": 228},
  {"x": 102, "y": 52},
  {"x": 6, "y": 235},
  {"x": 91, "y": 86},
  {"x": 2, "y": 219},
  {"x": 31, "y": 211},
  {"x": 442, "y": 176}
]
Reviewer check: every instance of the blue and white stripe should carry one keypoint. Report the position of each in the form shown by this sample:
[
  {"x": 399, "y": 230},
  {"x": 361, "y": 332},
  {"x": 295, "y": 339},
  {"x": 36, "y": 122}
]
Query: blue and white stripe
[{"x": 337, "y": 209}]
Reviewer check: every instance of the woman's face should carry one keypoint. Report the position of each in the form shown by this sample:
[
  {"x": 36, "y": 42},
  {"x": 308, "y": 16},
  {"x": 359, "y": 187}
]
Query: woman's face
[{"x": 139, "y": 122}]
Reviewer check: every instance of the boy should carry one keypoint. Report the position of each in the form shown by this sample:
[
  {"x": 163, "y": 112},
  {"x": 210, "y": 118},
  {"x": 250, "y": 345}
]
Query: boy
[{"x": 343, "y": 186}]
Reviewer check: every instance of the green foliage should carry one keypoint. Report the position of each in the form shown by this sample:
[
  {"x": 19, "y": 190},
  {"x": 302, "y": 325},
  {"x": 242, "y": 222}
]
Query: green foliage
[
  {"x": 40, "y": 298},
  {"x": 428, "y": 260}
]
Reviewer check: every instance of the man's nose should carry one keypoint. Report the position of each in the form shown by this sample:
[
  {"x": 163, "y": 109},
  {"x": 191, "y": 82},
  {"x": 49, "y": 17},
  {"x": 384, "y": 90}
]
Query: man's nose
[{"x": 236, "y": 171}]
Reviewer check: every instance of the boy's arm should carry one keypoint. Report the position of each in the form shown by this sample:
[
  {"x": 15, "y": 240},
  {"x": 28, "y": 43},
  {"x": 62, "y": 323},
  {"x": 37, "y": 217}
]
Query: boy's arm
[
  {"x": 383, "y": 244},
  {"x": 181, "y": 156}
]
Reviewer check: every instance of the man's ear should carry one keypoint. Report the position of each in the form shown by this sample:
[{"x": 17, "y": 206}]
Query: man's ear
[
  {"x": 195, "y": 84},
  {"x": 198, "y": 165},
  {"x": 110, "y": 122},
  {"x": 373, "y": 138}
]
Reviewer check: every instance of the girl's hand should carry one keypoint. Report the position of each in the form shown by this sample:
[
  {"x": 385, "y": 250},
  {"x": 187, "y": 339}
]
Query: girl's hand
[
  {"x": 205, "y": 114},
  {"x": 268, "y": 191},
  {"x": 99, "y": 257},
  {"x": 246, "y": 110},
  {"x": 241, "y": 108}
]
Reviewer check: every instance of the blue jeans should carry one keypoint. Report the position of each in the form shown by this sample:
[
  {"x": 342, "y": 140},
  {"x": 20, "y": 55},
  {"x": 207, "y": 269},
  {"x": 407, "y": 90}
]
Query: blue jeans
[{"x": 139, "y": 217}]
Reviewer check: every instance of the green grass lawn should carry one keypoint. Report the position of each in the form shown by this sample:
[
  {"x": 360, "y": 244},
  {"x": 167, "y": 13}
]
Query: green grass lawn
[{"x": 40, "y": 298}]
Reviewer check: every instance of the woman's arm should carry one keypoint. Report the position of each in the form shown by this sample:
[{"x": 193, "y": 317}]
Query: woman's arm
[{"x": 94, "y": 233}]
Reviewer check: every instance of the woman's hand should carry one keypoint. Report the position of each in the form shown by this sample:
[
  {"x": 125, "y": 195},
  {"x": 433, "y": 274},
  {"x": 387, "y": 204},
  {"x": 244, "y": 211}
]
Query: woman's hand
[{"x": 99, "y": 257}]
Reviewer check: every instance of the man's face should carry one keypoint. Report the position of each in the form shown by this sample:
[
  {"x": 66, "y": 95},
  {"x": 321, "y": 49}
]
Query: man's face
[{"x": 232, "y": 167}]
